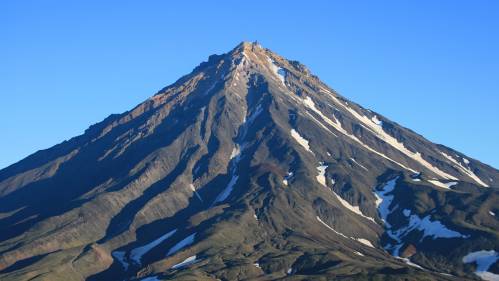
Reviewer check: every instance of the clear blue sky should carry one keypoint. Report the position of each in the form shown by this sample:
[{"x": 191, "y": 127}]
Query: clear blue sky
[{"x": 432, "y": 66}]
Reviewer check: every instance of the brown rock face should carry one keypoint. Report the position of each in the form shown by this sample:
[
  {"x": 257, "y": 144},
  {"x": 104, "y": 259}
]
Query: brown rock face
[{"x": 408, "y": 251}]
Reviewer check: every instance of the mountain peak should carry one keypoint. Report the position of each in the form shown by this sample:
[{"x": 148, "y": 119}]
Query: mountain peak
[
  {"x": 246, "y": 46},
  {"x": 253, "y": 50},
  {"x": 249, "y": 167}
]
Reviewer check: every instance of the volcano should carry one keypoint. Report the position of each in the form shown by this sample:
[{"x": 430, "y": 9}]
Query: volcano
[{"x": 249, "y": 168}]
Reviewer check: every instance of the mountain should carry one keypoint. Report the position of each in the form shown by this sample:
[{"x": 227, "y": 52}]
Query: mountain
[{"x": 249, "y": 168}]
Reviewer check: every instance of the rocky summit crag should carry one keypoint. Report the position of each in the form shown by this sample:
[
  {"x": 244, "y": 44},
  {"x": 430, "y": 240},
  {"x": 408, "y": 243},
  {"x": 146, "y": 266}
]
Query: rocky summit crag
[{"x": 248, "y": 168}]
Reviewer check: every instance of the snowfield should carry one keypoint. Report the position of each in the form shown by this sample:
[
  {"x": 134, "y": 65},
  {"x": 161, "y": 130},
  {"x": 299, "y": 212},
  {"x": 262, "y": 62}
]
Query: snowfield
[
  {"x": 279, "y": 72},
  {"x": 484, "y": 260},
  {"x": 433, "y": 229},
  {"x": 388, "y": 139},
  {"x": 465, "y": 170},
  {"x": 188, "y": 261},
  {"x": 120, "y": 256},
  {"x": 384, "y": 200},
  {"x": 228, "y": 190},
  {"x": 309, "y": 103},
  {"x": 182, "y": 244},
  {"x": 429, "y": 228},
  {"x": 137, "y": 253},
  {"x": 355, "y": 209},
  {"x": 446, "y": 185},
  {"x": 301, "y": 140}
]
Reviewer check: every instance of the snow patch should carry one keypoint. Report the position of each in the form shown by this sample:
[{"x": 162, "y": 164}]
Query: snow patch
[
  {"x": 196, "y": 170},
  {"x": 321, "y": 178},
  {"x": 252, "y": 118},
  {"x": 257, "y": 265},
  {"x": 484, "y": 260},
  {"x": 236, "y": 155},
  {"x": 433, "y": 229},
  {"x": 301, "y": 140},
  {"x": 309, "y": 103},
  {"x": 188, "y": 261},
  {"x": 137, "y": 253},
  {"x": 360, "y": 165},
  {"x": 358, "y": 253},
  {"x": 492, "y": 213},
  {"x": 243, "y": 129},
  {"x": 227, "y": 191},
  {"x": 408, "y": 262},
  {"x": 151, "y": 278},
  {"x": 446, "y": 185},
  {"x": 406, "y": 212},
  {"x": 378, "y": 201},
  {"x": 377, "y": 121},
  {"x": 416, "y": 177},
  {"x": 330, "y": 228},
  {"x": 195, "y": 192},
  {"x": 365, "y": 242},
  {"x": 182, "y": 244},
  {"x": 352, "y": 208},
  {"x": 120, "y": 256},
  {"x": 466, "y": 170},
  {"x": 387, "y": 138},
  {"x": 235, "y": 152},
  {"x": 282, "y": 75},
  {"x": 279, "y": 72},
  {"x": 360, "y": 240},
  {"x": 385, "y": 200},
  {"x": 288, "y": 177}
]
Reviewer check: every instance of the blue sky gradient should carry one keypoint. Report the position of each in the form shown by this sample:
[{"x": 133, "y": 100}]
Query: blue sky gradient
[{"x": 432, "y": 66}]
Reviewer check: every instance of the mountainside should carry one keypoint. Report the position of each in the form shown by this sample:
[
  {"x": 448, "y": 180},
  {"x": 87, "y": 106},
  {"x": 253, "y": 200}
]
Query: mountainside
[{"x": 249, "y": 168}]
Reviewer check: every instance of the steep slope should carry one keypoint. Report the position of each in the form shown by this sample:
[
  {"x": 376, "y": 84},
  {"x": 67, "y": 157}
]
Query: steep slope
[{"x": 247, "y": 168}]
